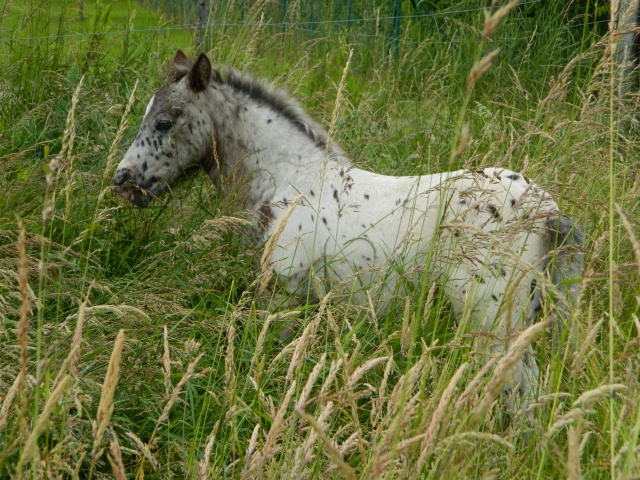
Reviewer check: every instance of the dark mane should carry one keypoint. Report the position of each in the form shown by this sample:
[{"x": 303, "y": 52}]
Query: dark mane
[
  {"x": 263, "y": 93},
  {"x": 278, "y": 100}
]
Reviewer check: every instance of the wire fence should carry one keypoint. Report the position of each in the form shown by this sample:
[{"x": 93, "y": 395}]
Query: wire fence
[
  {"x": 274, "y": 25},
  {"x": 324, "y": 27}
]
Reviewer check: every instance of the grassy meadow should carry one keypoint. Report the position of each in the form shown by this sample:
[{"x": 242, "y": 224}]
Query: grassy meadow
[{"x": 132, "y": 342}]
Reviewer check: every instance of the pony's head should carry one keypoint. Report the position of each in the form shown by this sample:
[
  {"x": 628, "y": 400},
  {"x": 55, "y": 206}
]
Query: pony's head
[{"x": 175, "y": 134}]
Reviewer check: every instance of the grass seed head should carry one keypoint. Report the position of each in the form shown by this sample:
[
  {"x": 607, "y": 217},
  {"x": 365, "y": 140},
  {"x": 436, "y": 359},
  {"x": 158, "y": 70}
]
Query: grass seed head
[
  {"x": 203, "y": 466},
  {"x": 270, "y": 246},
  {"x": 313, "y": 376},
  {"x": 23, "y": 325},
  {"x": 166, "y": 363},
  {"x": 229, "y": 367},
  {"x": 502, "y": 373},
  {"x": 491, "y": 21},
  {"x": 364, "y": 368},
  {"x": 42, "y": 421},
  {"x": 105, "y": 408},
  {"x": 438, "y": 417},
  {"x": 115, "y": 460},
  {"x": 573, "y": 453},
  {"x": 8, "y": 400},
  {"x": 113, "y": 150},
  {"x": 345, "y": 470},
  {"x": 253, "y": 442},
  {"x": 298, "y": 353},
  {"x": 480, "y": 68},
  {"x": 177, "y": 390},
  {"x": 591, "y": 396}
]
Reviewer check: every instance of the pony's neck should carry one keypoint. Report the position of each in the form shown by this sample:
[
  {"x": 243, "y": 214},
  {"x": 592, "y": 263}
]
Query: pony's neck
[{"x": 260, "y": 150}]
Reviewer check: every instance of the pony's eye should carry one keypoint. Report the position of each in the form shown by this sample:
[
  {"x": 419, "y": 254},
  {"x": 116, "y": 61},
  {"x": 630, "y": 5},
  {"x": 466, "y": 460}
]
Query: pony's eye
[{"x": 163, "y": 125}]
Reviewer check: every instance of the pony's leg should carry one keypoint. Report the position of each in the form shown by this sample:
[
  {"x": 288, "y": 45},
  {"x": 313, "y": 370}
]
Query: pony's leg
[{"x": 478, "y": 299}]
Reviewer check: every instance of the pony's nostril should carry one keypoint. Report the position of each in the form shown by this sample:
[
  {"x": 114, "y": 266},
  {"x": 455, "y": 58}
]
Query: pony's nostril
[{"x": 122, "y": 175}]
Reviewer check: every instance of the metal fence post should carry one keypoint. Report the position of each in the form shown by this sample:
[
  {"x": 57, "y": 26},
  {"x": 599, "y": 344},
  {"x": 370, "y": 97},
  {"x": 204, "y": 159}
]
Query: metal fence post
[{"x": 203, "y": 19}]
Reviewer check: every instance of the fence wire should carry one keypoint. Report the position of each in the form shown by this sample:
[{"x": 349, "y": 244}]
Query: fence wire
[{"x": 305, "y": 26}]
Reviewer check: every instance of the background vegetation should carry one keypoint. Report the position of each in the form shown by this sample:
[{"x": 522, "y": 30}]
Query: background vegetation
[{"x": 131, "y": 342}]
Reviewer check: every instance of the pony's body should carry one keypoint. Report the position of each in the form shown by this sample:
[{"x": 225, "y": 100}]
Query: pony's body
[{"x": 485, "y": 236}]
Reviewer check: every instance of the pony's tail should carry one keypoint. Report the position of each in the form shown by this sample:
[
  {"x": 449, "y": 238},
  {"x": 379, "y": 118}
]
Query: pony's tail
[{"x": 564, "y": 240}]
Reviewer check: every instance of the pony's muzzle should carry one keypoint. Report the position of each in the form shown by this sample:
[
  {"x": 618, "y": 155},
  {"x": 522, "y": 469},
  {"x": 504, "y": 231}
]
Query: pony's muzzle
[
  {"x": 122, "y": 176},
  {"x": 127, "y": 189}
]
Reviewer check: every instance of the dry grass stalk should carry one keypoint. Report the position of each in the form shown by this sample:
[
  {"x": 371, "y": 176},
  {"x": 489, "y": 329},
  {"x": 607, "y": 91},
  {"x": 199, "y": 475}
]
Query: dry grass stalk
[
  {"x": 376, "y": 407},
  {"x": 271, "y": 244},
  {"x": 176, "y": 391},
  {"x": 267, "y": 402},
  {"x": 436, "y": 419},
  {"x": 480, "y": 68},
  {"x": 23, "y": 323},
  {"x": 407, "y": 327},
  {"x": 401, "y": 446},
  {"x": 229, "y": 364},
  {"x": 70, "y": 128},
  {"x": 144, "y": 449},
  {"x": 270, "y": 448},
  {"x": 345, "y": 470},
  {"x": 400, "y": 412},
  {"x": 404, "y": 385},
  {"x": 278, "y": 424},
  {"x": 337, "y": 105},
  {"x": 304, "y": 453},
  {"x": 313, "y": 376},
  {"x": 364, "y": 368},
  {"x": 491, "y": 22},
  {"x": 105, "y": 407},
  {"x": 257, "y": 361},
  {"x": 253, "y": 441},
  {"x": 203, "y": 466},
  {"x": 298, "y": 353},
  {"x": 120, "y": 134},
  {"x": 350, "y": 443},
  {"x": 573, "y": 454},
  {"x": 285, "y": 351},
  {"x": 166, "y": 363},
  {"x": 121, "y": 311},
  {"x": 372, "y": 310},
  {"x": 249, "y": 49},
  {"x": 572, "y": 416},
  {"x": 115, "y": 460},
  {"x": 76, "y": 343},
  {"x": 465, "y": 134},
  {"x": 487, "y": 437},
  {"x": 333, "y": 371},
  {"x": 632, "y": 237},
  {"x": 70, "y": 363},
  {"x": 76, "y": 470},
  {"x": 30, "y": 445},
  {"x": 595, "y": 395},
  {"x": 426, "y": 309},
  {"x": 502, "y": 373},
  {"x": 473, "y": 384},
  {"x": 8, "y": 400},
  {"x": 583, "y": 353}
]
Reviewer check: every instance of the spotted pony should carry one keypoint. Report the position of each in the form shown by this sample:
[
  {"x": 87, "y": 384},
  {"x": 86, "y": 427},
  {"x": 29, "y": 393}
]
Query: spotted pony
[{"x": 493, "y": 241}]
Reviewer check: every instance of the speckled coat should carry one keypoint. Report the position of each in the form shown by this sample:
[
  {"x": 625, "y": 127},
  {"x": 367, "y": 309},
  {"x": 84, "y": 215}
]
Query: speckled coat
[{"x": 491, "y": 238}]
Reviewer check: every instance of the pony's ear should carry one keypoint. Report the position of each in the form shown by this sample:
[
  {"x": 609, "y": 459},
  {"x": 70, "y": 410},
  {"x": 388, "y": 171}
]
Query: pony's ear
[
  {"x": 179, "y": 67},
  {"x": 200, "y": 74},
  {"x": 180, "y": 58}
]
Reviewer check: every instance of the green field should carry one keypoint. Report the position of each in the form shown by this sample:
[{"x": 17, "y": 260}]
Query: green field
[{"x": 199, "y": 384}]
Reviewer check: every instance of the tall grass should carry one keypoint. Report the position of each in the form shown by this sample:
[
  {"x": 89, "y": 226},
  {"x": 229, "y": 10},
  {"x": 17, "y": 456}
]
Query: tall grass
[{"x": 132, "y": 344}]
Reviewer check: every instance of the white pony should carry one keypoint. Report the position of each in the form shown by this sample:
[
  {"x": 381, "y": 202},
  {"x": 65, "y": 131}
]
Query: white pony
[{"x": 492, "y": 240}]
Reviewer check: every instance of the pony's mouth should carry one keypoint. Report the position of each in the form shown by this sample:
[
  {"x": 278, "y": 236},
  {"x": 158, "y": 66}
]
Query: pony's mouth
[{"x": 135, "y": 194}]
